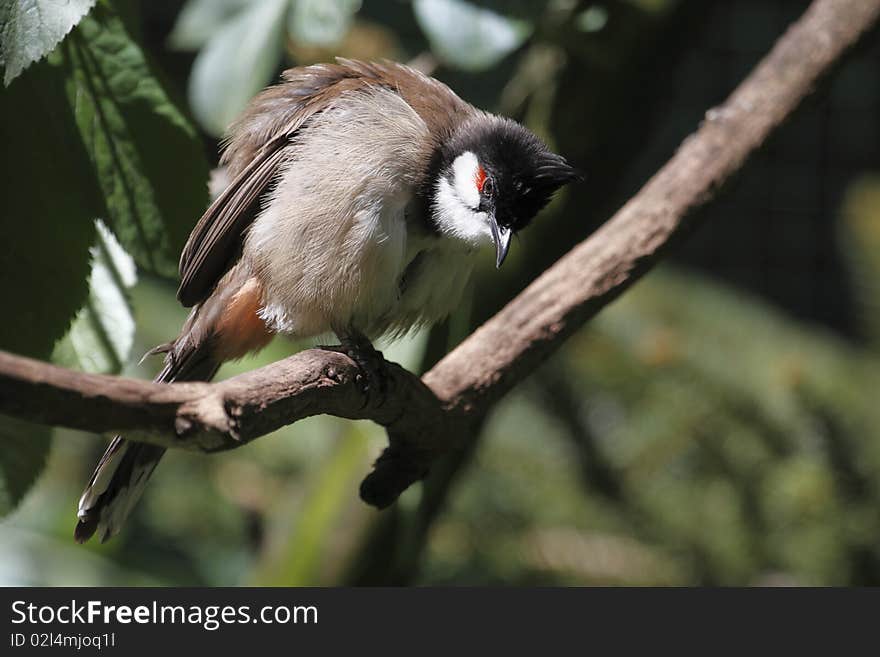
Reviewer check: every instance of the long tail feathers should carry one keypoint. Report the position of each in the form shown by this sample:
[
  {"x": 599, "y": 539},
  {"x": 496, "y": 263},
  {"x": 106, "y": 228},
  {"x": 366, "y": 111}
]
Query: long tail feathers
[
  {"x": 115, "y": 487},
  {"x": 122, "y": 473}
]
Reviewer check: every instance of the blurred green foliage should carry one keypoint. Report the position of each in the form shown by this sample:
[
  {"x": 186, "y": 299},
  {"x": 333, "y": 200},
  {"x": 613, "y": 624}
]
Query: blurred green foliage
[{"x": 693, "y": 433}]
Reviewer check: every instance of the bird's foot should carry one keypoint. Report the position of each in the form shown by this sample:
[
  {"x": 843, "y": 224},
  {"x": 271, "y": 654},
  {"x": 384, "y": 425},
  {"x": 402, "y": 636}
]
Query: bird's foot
[{"x": 373, "y": 376}]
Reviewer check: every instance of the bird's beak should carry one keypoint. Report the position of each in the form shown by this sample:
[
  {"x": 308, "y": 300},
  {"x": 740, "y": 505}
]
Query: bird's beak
[{"x": 501, "y": 236}]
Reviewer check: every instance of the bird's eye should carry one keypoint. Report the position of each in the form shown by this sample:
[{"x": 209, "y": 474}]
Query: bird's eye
[{"x": 488, "y": 187}]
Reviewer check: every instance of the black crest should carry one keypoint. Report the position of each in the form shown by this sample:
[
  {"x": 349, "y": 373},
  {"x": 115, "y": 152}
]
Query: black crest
[{"x": 524, "y": 172}]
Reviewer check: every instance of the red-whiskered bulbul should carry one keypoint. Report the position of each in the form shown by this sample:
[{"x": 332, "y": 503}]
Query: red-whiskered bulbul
[{"x": 359, "y": 195}]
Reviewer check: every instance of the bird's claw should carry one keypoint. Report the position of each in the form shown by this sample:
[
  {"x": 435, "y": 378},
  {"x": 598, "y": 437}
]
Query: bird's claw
[{"x": 373, "y": 376}]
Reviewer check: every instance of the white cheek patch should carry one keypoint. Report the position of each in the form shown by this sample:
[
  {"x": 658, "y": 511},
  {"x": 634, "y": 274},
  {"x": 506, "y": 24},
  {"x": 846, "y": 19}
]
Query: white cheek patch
[
  {"x": 465, "y": 169},
  {"x": 455, "y": 219}
]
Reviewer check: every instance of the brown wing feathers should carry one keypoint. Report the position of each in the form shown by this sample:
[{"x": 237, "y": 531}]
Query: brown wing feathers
[
  {"x": 257, "y": 146},
  {"x": 214, "y": 243}
]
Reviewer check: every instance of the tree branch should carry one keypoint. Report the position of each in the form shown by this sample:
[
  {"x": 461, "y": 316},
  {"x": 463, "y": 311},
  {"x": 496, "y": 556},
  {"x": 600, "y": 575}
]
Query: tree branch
[{"x": 428, "y": 417}]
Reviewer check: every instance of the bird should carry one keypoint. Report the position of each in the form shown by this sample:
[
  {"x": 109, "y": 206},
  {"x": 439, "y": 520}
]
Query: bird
[{"x": 359, "y": 197}]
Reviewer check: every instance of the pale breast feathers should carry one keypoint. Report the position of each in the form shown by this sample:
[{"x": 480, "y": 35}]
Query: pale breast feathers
[{"x": 331, "y": 244}]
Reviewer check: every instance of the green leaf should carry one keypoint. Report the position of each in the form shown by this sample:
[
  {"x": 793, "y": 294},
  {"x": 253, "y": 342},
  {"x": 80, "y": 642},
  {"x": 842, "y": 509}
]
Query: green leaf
[
  {"x": 32, "y": 28},
  {"x": 467, "y": 36},
  {"x": 50, "y": 197},
  {"x": 199, "y": 20},
  {"x": 25, "y": 448},
  {"x": 528, "y": 10},
  {"x": 238, "y": 61},
  {"x": 102, "y": 334},
  {"x": 147, "y": 156},
  {"x": 321, "y": 22},
  {"x": 50, "y": 201}
]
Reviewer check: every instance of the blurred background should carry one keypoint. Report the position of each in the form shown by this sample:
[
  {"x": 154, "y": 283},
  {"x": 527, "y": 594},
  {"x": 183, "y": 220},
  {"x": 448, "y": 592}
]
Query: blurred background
[{"x": 718, "y": 425}]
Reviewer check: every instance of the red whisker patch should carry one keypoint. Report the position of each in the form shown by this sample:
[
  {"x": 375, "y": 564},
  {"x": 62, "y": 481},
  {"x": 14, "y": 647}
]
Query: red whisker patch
[{"x": 480, "y": 178}]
